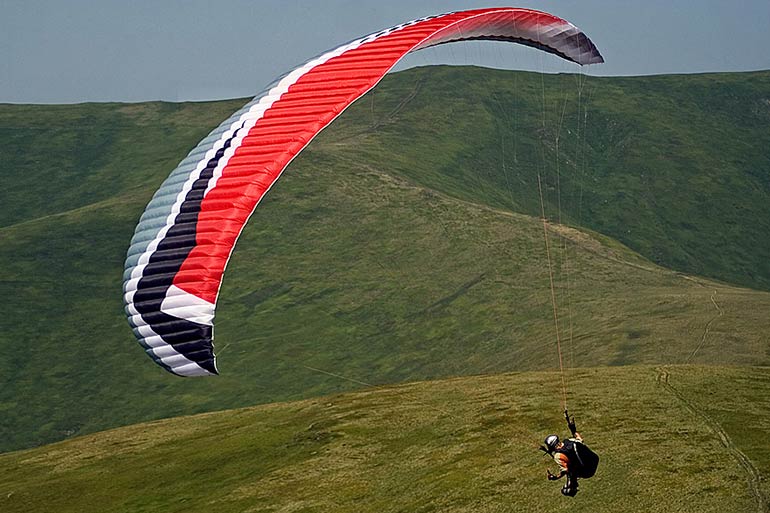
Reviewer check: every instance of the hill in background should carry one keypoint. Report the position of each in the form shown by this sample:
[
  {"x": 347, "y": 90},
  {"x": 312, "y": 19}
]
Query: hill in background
[{"x": 400, "y": 246}]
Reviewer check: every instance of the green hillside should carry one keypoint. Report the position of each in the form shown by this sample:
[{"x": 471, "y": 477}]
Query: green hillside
[
  {"x": 373, "y": 261},
  {"x": 680, "y": 438},
  {"x": 676, "y": 167}
]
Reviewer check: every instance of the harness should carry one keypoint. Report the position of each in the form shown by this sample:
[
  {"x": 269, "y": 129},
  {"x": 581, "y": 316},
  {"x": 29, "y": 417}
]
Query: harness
[{"x": 583, "y": 461}]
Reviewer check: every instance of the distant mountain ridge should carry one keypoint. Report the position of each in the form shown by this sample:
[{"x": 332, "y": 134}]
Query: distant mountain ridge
[{"x": 677, "y": 167}]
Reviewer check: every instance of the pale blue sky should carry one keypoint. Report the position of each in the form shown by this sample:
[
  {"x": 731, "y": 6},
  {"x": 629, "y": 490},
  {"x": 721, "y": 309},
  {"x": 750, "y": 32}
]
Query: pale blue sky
[{"x": 63, "y": 51}]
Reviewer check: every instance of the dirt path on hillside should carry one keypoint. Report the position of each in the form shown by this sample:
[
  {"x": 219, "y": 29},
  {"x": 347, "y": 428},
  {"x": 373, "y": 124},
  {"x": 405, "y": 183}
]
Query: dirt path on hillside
[
  {"x": 707, "y": 328},
  {"x": 752, "y": 474}
]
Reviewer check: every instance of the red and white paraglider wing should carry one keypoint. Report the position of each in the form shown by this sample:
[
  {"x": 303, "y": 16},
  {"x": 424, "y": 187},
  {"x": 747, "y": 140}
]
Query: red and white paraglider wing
[{"x": 184, "y": 239}]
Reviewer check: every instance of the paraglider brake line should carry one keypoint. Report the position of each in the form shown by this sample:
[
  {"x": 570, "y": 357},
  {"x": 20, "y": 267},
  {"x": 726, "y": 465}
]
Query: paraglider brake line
[
  {"x": 553, "y": 294},
  {"x": 353, "y": 380},
  {"x": 337, "y": 376}
]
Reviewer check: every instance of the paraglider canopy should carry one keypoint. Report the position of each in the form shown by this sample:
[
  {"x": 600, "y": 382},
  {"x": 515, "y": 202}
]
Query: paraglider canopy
[{"x": 184, "y": 239}]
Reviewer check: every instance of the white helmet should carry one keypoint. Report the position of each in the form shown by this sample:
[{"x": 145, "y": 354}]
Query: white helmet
[{"x": 551, "y": 441}]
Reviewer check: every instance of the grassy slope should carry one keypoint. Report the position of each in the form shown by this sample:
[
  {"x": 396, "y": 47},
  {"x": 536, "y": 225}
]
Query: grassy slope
[
  {"x": 460, "y": 445},
  {"x": 675, "y": 167},
  {"x": 336, "y": 273}
]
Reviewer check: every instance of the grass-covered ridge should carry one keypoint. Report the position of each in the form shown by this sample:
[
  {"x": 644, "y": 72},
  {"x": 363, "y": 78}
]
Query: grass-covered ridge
[
  {"x": 371, "y": 260},
  {"x": 678, "y": 438},
  {"x": 676, "y": 167}
]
